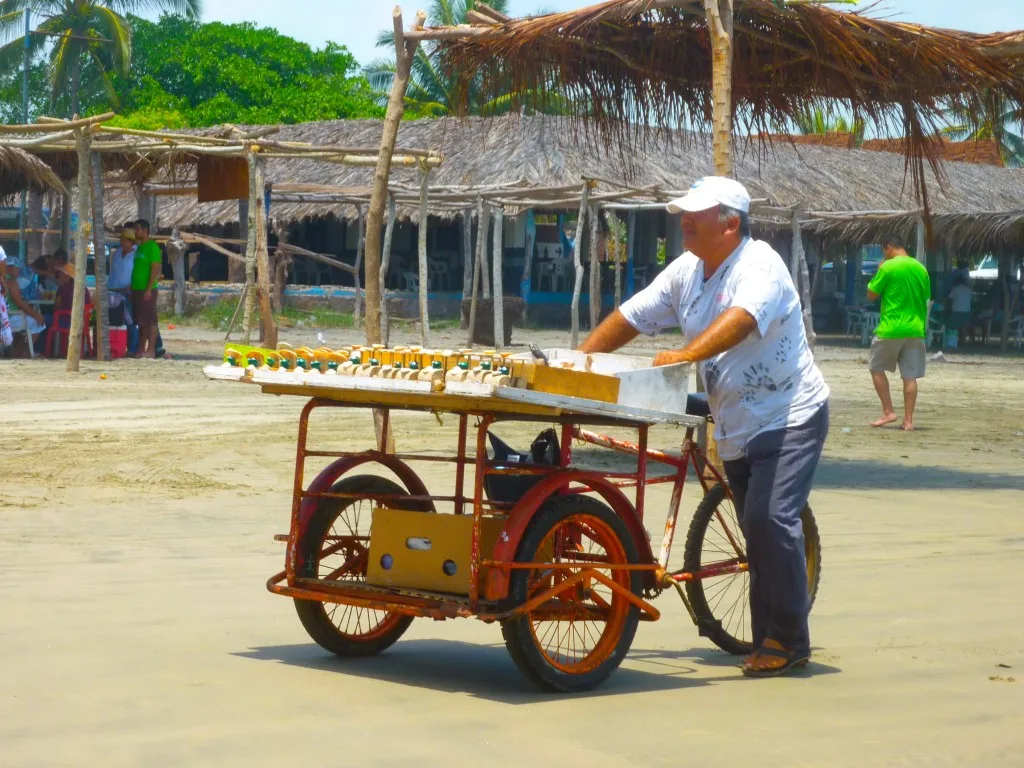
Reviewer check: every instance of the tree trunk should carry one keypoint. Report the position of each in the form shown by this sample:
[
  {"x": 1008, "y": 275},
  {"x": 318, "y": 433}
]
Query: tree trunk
[
  {"x": 618, "y": 273},
  {"x": 481, "y": 255},
  {"x": 719, "y": 15},
  {"x": 357, "y": 314},
  {"x": 526, "y": 284},
  {"x": 499, "y": 292},
  {"x": 250, "y": 263},
  {"x": 34, "y": 240},
  {"x": 595, "y": 270},
  {"x": 99, "y": 246},
  {"x": 259, "y": 258},
  {"x": 385, "y": 265},
  {"x": 578, "y": 284},
  {"x": 922, "y": 255},
  {"x": 236, "y": 269},
  {"x": 405, "y": 51},
  {"x": 424, "y": 281},
  {"x": 65, "y": 220},
  {"x": 82, "y": 142},
  {"x": 281, "y": 263},
  {"x": 468, "y": 262},
  {"x": 176, "y": 250}
]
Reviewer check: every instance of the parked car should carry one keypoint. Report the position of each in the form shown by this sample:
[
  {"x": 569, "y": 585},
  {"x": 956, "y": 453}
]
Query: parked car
[{"x": 988, "y": 269}]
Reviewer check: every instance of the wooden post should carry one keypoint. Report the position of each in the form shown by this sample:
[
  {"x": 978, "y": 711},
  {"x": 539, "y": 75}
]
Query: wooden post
[
  {"x": 481, "y": 255},
  {"x": 236, "y": 270},
  {"x": 1003, "y": 272},
  {"x": 424, "y": 276},
  {"x": 800, "y": 256},
  {"x": 796, "y": 249},
  {"x": 405, "y": 51},
  {"x": 719, "y": 14},
  {"x": 526, "y": 284},
  {"x": 65, "y": 222},
  {"x": 468, "y": 262},
  {"x": 385, "y": 265},
  {"x": 99, "y": 247},
  {"x": 176, "y": 249},
  {"x": 34, "y": 241},
  {"x": 595, "y": 270},
  {"x": 499, "y": 293},
  {"x": 83, "y": 142},
  {"x": 258, "y": 221},
  {"x": 281, "y": 263},
  {"x": 574, "y": 339},
  {"x": 618, "y": 270},
  {"x": 630, "y": 253},
  {"x": 484, "y": 263},
  {"x": 921, "y": 255},
  {"x": 357, "y": 312},
  {"x": 249, "y": 293}
]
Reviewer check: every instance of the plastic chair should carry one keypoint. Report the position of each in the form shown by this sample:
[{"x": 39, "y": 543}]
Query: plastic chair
[
  {"x": 411, "y": 281},
  {"x": 854, "y": 321},
  {"x": 437, "y": 275},
  {"x": 58, "y": 329}
]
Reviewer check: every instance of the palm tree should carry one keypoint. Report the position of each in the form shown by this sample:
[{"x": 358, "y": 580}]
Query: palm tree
[
  {"x": 432, "y": 90},
  {"x": 73, "y": 33},
  {"x": 996, "y": 123},
  {"x": 819, "y": 122}
]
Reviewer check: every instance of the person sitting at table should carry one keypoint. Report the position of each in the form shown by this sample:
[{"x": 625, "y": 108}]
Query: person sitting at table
[
  {"x": 27, "y": 314},
  {"x": 43, "y": 267}
]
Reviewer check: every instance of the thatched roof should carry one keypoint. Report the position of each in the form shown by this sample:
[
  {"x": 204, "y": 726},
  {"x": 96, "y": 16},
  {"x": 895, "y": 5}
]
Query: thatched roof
[
  {"x": 543, "y": 152},
  {"x": 21, "y": 171},
  {"x": 649, "y": 61}
]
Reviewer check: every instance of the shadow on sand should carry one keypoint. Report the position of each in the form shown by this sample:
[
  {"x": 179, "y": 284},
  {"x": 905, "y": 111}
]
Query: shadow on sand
[
  {"x": 487, "y": 672},
  {"x": 869, "y": 474}
]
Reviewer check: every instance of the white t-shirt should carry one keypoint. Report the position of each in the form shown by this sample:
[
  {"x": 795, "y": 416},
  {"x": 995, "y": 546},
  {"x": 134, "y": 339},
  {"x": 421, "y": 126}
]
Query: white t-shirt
[
  {"x": 960, "y": 298},
  {"x": 121, "y": 265},
  {"x": 769, "y": 380}
]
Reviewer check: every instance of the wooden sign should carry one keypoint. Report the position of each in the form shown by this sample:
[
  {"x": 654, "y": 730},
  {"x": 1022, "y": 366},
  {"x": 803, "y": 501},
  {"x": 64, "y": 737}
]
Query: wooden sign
[{"x": 222, "y": 178}]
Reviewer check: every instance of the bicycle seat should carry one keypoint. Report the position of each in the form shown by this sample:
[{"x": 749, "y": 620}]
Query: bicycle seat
[{"x": 697, "y": 405}]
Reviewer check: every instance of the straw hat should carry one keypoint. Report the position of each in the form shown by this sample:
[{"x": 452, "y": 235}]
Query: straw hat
[
  {"x": 128, "y": 234},
  {"x": 68, "y": 269}
]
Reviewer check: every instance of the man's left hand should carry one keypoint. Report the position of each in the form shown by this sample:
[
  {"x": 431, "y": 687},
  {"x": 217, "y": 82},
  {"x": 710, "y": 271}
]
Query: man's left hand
[
  {"x": 148, "y": 294},
  {"x": 672, "y": 356}
]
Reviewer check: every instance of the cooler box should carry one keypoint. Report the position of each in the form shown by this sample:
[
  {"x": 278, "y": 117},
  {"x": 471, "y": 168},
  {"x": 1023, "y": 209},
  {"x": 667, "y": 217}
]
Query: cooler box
[
  {"x": 427, "y": 551},
  {"x": 118, "y": 341}
]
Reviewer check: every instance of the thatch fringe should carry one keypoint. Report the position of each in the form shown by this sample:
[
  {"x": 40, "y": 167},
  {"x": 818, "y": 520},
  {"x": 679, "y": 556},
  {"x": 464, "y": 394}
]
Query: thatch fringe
[{"x": 21, "y": 171}]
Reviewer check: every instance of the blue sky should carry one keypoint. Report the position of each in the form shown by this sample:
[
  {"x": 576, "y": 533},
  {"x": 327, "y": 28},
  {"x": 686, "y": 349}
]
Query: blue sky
[{"x": 355, "y": 23}]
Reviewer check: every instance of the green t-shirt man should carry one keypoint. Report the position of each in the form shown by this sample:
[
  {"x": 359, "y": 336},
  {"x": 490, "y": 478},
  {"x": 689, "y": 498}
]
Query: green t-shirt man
[
  {"x": 902, "y": 284},
  {"x": 146, "y": 255}
]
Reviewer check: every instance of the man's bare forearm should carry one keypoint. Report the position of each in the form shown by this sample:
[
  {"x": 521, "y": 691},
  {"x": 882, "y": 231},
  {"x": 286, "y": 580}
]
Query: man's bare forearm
[
  {"x": 613, "y": 332},
  {"x": 729, "y": 329}
]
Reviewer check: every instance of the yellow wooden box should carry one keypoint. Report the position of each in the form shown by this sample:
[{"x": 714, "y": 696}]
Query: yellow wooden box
[
  {"x": 571, "y": 383},
  {"x": 431, "y": 552}
]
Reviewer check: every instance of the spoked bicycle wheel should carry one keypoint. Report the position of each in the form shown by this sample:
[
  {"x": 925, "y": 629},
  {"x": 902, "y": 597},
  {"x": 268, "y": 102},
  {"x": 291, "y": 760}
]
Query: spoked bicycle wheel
[
  {"x": 577, "y": 638},
  {"x": 335, "y": 547},
  {"x": 722, "y": 603}
]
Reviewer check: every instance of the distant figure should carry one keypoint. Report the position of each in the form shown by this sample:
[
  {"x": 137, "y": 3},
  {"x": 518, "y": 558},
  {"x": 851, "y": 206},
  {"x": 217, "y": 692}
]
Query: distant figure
[
  {"x": 145, "y": 275},
  {"x": 904, "y": 288},
  {"x": 119, "y": 281},
  {"x": 960, "y": 307},
  {"x": 27, "y": 320}
]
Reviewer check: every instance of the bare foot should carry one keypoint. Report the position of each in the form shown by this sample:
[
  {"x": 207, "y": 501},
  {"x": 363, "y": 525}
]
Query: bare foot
[
  {"x": 887, "y": 418},
  {"x": 907, "y": 426}
]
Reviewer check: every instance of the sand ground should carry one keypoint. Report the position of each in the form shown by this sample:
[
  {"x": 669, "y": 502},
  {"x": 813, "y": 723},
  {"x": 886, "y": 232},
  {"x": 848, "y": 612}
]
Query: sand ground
[{"x": 136, "y": 523}]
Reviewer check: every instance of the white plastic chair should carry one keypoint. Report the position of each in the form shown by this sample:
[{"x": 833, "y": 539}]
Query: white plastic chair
[
  {"x": 438, "y": 277},
  {"x": 410, "y": 281},
  {"x": 854, "y": 321}
]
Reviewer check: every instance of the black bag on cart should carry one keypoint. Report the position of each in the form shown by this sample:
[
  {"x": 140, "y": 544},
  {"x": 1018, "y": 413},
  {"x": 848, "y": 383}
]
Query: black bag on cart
[{"x": 510, "y": 488}]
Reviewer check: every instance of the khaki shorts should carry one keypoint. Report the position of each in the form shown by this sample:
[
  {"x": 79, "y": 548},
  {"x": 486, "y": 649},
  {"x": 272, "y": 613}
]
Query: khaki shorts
[{"x": 909, "y": 354}]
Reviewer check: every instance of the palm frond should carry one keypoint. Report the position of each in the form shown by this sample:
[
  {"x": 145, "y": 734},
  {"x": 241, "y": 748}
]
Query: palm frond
[{"x": 116, "y": 28}]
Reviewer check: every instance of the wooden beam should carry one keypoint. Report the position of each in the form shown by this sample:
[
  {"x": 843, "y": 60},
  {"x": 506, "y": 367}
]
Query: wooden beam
[
  {"x": 498, "y": 302},
  {"x": 574, "y": 338}
]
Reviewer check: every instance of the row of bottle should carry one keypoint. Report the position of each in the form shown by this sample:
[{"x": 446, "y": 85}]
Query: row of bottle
[
  {"x": 372, "y": 358},
  {"x": 402, "y": 363}
]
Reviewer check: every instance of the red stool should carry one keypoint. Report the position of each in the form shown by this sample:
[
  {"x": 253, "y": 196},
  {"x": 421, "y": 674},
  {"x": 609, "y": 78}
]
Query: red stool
[{"x": 60, "y": 331}]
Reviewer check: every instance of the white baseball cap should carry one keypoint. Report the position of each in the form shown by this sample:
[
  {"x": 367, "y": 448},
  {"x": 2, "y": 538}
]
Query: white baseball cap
[{"x": 712, "y": 191}]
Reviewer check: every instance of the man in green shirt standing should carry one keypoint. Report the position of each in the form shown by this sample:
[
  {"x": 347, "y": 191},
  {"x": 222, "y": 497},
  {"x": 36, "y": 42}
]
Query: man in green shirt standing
[
  {"x": 145, "y": 274},
  {"x": 903, "y": 286}
]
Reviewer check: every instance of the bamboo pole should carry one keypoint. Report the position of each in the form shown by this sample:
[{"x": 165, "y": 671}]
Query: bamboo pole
[
  {"x": 261, "y": 257},
  {"x": 499, "y": 293},
  {"x": 574, "y": 338},
  {"x": 385, "y": 265},
  {"x": 405, "y": 51},
  {"x": 82, "y": 142},
  {"x": 467, "y": 260},
  {"x": 922, "y": 255},
  {"x": 360, "y": 245},
  {"x": 595, "y": 270},
  {"x": 250, "y": 257},
  {"x": 99, "y": 247},
  {"x": 526, "y": 283},
  {"x": 422, "y": 251},
  {"x": 481, "y": 252},
  {"x": 618, "y": 272},
  {"x": 719, "y": 15},
  {"x": 804, "y": 281}
]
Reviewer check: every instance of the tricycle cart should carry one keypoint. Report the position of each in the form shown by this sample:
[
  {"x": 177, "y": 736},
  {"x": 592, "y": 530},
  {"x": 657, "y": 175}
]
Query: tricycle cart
[{"x": 556, "y": 553}]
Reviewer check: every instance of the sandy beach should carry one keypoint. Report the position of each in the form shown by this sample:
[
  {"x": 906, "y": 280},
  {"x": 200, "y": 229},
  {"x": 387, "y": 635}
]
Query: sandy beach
[{"x": 138, "y": 514}]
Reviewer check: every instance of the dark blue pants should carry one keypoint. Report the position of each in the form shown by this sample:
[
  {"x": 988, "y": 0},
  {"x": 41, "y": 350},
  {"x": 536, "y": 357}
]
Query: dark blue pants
[{"x": 770, "y": 487}]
